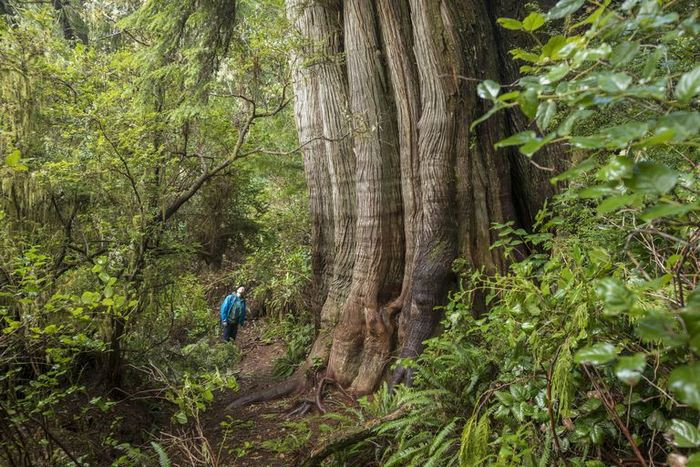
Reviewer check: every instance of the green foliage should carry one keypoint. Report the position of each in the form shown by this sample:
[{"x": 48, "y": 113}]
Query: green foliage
[
  {"x": 126, "y": 170},
  {"x": 297, "y": 336}
]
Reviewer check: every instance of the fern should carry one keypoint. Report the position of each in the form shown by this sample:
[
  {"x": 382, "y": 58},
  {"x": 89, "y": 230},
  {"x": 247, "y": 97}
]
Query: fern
[
  {"x": 403, "y": 456},
  {"x": 163, "y": 458},
  {"x": 475, "y": 439},
  {"x": 440, "y": 437}
]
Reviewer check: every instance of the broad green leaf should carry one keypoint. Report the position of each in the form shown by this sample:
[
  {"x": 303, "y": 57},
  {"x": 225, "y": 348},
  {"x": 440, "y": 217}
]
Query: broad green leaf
[
  {"x": 629, "y": 368},
  {"x": 528, "y": 102},
  {"x": 614, "y": 203},
  {"x": 597, "y": 434},
  {"x": 617, "y": 298},
  {"x": 509, "y": 23},
  {"x": 652, "y": 64},
  {"x": 564, "y": 8},
  {"x": 517, "y": 139},
  {"x": 553, "y": 46},
  {"x": 619, "y": 136},
  {"x": 688, "y": 85},
  {"x": 666, "y": 210},
  {"x": 660, "y": 326},
  {"x": 694, "y": 460},
  {"x": 488, "y": 89},
  {"x": 504, "y": 397},
  {"x": 684, "y": 382},
  {"x": 580, "y": 168},
  {"x": 588, "y": 142},
  {"x": 597, "y": 354},
  {"x": 181, "y": 417},
  {"x": 652, "y": 178},
  {"x": 545, "y": 113},
  {"x": 555, "y": 73},
  {"x": 692, "y": 303},
  {"x": 614, "y": 83},
  {"x": 531, "y": 147},
  {"x": 568, "y": 124},
  {"x": 685, "y": 435},
  {"x": 684, "y": 125},
  {"x": 533, "y": 21},
  {"x": 617, "y": 168},
  {"x": 623, "y": 53}
]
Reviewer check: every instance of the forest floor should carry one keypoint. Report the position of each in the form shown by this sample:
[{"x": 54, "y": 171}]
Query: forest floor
[{"x": 260, "y": 434}]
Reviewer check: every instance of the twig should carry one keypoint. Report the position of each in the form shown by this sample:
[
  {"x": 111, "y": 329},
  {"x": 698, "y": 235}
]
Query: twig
[{"x": 609, "y": 405}]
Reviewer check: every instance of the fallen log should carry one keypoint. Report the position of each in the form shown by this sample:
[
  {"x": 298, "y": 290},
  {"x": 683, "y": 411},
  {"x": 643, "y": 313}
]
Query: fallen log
[{"x": 349, "y": 438}]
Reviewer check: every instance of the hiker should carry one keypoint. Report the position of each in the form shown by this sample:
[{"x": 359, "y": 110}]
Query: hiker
[{"x": 232, "y": 314}]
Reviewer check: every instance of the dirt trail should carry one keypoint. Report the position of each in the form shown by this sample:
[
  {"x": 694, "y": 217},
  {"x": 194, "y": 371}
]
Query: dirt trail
[{"x": 246, "y": 428}]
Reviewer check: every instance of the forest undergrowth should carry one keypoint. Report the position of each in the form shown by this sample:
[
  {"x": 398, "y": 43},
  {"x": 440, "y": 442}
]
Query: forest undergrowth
[{"x": 151, "y": 166}]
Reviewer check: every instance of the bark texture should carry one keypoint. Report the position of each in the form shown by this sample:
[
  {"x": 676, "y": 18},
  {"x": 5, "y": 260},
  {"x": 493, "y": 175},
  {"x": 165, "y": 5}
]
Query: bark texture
[{"x": 399, "y": 187}]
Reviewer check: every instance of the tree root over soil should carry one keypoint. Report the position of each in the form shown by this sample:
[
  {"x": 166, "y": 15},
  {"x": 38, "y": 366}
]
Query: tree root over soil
[{"x": 349, "y": 438}]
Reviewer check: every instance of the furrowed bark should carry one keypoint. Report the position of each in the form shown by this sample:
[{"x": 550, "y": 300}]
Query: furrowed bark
[
  {"x": 362, "y": 341},
  {"x": 436, "y": 48},
  {"x": 396, "y": 28},
  {"x": 414, "y": 188},
  {"x": 317, "y": 23}
]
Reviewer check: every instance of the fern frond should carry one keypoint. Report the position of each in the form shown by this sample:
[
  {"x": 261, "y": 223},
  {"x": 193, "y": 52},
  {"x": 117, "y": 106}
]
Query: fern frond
[{"x": 163, "y": 458}]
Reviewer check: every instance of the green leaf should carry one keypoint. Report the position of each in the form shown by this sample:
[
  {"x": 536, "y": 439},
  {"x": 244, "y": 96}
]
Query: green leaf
[
  {"x": 528, "y": 102},
  {"x": 684, "y": 434},
  {"x": 614, "y": 83},
  {"x": 629, "y": 369},
  {"x": 614, "y": 203},
  {"x": 623, "y": 53},
  {"x": 163, "y": 458},
  {"x": 660, "y": 326},
  {"x": 684, "y": 382},
  {"x": 504, "y": 397},
  {"x": 694, "y": 460},
  {"x": 564, "y": 8},
  {"x": 567, "y": 125},
  {"x": 545, "y": 112},
  {"x": 688, "y": 85},
  {"x": 666, "y": 210},
  {"x": 488, "y": 89},
  {"x": 692, "y": 303},
  {"x": 535, "y": 145},
  {"x": 597, "y": 354},
  {"x": 617, "y": 168},
  {"x": 509, "y": 23},
  {"x": 615, "y": 295},
  {"x": 588, "y": 142},
  {"x": 181, "y": 417},
  {"x": 517, "y": 139},
  {"x": 582, "y": 167},
  {"x": 533, "y": 22},
  {"x": 553, "y": 46},
  {"x": 652, "y": 178}
]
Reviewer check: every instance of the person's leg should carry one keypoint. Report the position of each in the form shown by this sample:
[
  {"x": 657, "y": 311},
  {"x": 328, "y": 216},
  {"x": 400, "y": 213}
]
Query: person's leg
[
  {"x": 234, "y": 330},
  {"x": 226, "y": 333}
]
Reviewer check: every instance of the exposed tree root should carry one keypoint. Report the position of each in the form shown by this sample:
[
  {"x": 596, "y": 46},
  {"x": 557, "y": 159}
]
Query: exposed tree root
[
  {"x": 275, "y": 392},
  {"x": 349, "y": 438}
]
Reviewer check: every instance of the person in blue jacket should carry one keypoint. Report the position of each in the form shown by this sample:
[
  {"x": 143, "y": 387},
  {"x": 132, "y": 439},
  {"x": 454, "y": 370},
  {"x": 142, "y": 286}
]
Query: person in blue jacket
[{"x": 233, "y": 311}]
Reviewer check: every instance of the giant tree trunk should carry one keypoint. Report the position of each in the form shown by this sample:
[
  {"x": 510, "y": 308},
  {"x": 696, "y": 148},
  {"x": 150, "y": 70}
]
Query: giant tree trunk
[{"x": 399, "y": 187}]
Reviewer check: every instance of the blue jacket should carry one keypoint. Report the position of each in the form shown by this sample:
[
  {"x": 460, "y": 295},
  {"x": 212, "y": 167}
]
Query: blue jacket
[{"x": 233, "y": 309}]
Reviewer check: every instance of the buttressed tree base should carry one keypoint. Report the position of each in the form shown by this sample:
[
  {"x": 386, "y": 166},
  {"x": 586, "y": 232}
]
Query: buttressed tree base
[{"x": 399, "y": 185}]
